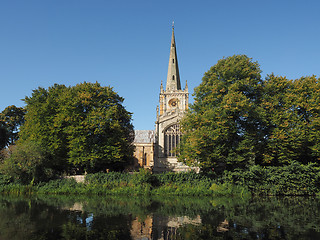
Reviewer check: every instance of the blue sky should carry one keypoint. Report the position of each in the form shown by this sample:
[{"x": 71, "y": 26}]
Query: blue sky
[{"x": 125, "y": 44}]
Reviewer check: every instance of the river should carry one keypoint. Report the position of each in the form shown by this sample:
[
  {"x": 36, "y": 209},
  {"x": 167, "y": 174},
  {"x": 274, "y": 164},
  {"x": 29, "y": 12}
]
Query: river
[{"x": 62, "y": 217}]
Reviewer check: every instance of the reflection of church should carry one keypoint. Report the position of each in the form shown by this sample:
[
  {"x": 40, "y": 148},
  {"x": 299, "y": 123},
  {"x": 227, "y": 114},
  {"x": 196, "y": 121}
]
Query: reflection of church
[
  {"x": 157, "y": 227},
  {"x": 157, "y": 149}
]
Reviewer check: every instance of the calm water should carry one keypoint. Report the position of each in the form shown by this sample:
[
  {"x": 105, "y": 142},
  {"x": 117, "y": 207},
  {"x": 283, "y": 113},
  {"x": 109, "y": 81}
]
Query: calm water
[{"x": 146, "y": 218}]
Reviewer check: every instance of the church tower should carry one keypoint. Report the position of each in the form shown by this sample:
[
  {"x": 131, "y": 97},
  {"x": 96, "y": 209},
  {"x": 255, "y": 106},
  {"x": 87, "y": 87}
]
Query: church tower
[{"x": 173, "y": 102}]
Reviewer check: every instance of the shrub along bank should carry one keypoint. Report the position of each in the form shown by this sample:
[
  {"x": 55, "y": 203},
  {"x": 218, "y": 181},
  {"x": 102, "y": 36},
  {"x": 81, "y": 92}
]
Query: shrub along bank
[{"x": 294, "y": 179}]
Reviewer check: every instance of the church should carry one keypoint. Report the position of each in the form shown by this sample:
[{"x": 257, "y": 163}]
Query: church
[{"x": 156, "y": 149}]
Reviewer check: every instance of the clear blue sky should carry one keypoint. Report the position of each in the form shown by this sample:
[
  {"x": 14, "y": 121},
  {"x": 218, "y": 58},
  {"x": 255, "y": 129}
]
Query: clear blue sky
[{"x": 125, "y": 44}]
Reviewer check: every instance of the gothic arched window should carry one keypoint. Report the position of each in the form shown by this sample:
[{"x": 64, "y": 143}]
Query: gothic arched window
[{"x": 171, "y": 140}]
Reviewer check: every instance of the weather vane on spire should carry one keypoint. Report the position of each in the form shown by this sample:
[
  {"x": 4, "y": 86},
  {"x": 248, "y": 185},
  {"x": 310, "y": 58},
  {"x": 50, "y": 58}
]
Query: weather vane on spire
[{"x": 172, "y": 24}]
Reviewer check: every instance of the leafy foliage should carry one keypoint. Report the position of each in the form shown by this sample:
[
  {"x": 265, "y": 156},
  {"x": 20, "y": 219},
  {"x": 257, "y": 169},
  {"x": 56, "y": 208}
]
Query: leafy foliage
[
  {"x": 11, "y": 118},
  {"x": 181, "y": 177},
  {"x": 292, "y": 115},
  {"x": 4, "y": 138},
  {"x": 84, "y": 127},
  {"x": 102, "y": 178},
  {"x": 27, "y": 163},
  {"x": 221, "y": 128},
  {"x": 238, "y": 120},
  {"x": 294, "y": 179}
]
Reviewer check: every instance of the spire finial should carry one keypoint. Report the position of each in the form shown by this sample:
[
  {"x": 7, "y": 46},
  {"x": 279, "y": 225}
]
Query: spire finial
[{"x": 173, "y": 78}]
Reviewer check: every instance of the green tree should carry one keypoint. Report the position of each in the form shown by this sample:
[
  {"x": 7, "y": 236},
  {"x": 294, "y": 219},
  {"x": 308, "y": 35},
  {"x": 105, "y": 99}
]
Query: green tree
[
  {"x": 306, "y": 99},
  {"x": 279, "y": 116},
  {"x": 27, "y": 163},
  {"x": 223, "y": 127},
  {"x": 84, "y": 127},
  {"x": 3, "y": 136},
  {"x": 11, "y": 118},
  {"x": 292, "y": 113}
]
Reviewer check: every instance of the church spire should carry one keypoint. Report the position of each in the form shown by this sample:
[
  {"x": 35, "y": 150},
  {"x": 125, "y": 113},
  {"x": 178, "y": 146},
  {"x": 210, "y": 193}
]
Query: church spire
[{"x": 173, "y": 78}]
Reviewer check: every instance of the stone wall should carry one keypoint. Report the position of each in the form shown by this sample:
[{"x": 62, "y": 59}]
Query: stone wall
[
  {"x": 78, "y": 178},
  {"x": 144, "y": 155}
]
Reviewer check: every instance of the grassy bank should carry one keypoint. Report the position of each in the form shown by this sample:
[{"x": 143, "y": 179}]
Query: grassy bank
[
  {"x": 295, "y": 179},
  {"x": 142, "y": 183}
]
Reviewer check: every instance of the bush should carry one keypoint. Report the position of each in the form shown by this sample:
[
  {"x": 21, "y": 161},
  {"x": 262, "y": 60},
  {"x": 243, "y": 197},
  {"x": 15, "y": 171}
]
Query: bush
[
  {"x": 27, "y": 164},
  {"x": 61, "y": 186},
  {"x": 294, "y": 179},
  {"x": 229, "y": 190},
  {"x": 143, "y": 177},
  {"x": 178, "y": 178},
  {"x": 5, "y": 180},
  {"x": 103, "y": 178}
]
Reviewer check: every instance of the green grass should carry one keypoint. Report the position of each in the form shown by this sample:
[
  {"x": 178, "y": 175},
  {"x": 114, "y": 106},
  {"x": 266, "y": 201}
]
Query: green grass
[{"x": 294, "y": 179}]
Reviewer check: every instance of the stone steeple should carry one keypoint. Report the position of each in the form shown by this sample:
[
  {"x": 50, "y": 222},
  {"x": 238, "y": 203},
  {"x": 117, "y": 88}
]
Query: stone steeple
[
  {"x": 173, "y": 78},
  {"x": 173, "y": 104}
]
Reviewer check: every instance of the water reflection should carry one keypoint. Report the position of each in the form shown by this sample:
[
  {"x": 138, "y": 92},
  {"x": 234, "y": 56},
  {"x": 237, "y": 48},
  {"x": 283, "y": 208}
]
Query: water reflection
[{"x": 158, "y": 218}]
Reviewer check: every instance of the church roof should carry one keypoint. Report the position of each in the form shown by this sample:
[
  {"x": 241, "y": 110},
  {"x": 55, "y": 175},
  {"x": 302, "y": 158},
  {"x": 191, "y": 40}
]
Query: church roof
[
  {"x": 144, "y": 136},
  {"x": 173, "y": 77}
]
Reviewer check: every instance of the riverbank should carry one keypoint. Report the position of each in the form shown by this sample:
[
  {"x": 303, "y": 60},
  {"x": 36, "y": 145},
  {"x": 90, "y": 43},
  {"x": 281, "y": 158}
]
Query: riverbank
[
  {"x": 141, "y": 183},
  {"x": 293, "y": 180}
]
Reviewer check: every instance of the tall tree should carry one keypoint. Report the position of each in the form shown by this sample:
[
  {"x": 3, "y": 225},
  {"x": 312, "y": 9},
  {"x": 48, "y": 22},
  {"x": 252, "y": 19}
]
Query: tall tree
[
  {"x": 223, "y": 126},
  {"x": 277, "y": 114},
  {"x": 84, "y": 127},
  {"x": 306, "y": 100},
  {"x": 11, "y": 118},
  {"x": 292, "y": 111},
  {"x": 3, "y": 136}
]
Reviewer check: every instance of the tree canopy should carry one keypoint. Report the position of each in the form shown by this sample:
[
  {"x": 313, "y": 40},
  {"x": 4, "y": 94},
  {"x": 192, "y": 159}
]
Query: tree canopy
[
  {"x": 238, "y": 119},
  {"x": 11, "y": 118},
  {"x": 3, "y": 136},
  {"x": 292, "y": 116},
  {"x": 26, "y": 163},
  {"x": 83, "y": 127}
]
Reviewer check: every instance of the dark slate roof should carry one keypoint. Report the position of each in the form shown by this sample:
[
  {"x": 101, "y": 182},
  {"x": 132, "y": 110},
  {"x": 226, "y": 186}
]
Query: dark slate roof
[{"x": 144, "y": 136}]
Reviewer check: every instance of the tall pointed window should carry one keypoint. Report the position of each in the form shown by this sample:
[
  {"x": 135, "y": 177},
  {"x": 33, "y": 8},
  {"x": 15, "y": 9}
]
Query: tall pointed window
[
  {"x": 171, "y": 140},
  {"x": 172, "y": 77}
]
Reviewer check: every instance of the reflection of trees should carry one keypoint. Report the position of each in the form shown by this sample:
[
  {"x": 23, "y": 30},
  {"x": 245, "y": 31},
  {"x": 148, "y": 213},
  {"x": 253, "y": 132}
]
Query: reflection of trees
[
  {"x": 32, "y": 219},
  {"x": 276, "y": 218},
  {"x": 170, "y": 218},
  {"x": 101, "y": 227},
  {"x": 11, "y": 219},
  {"x": 21, "y": 219},
  {"x": 263, "y": 218}
]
